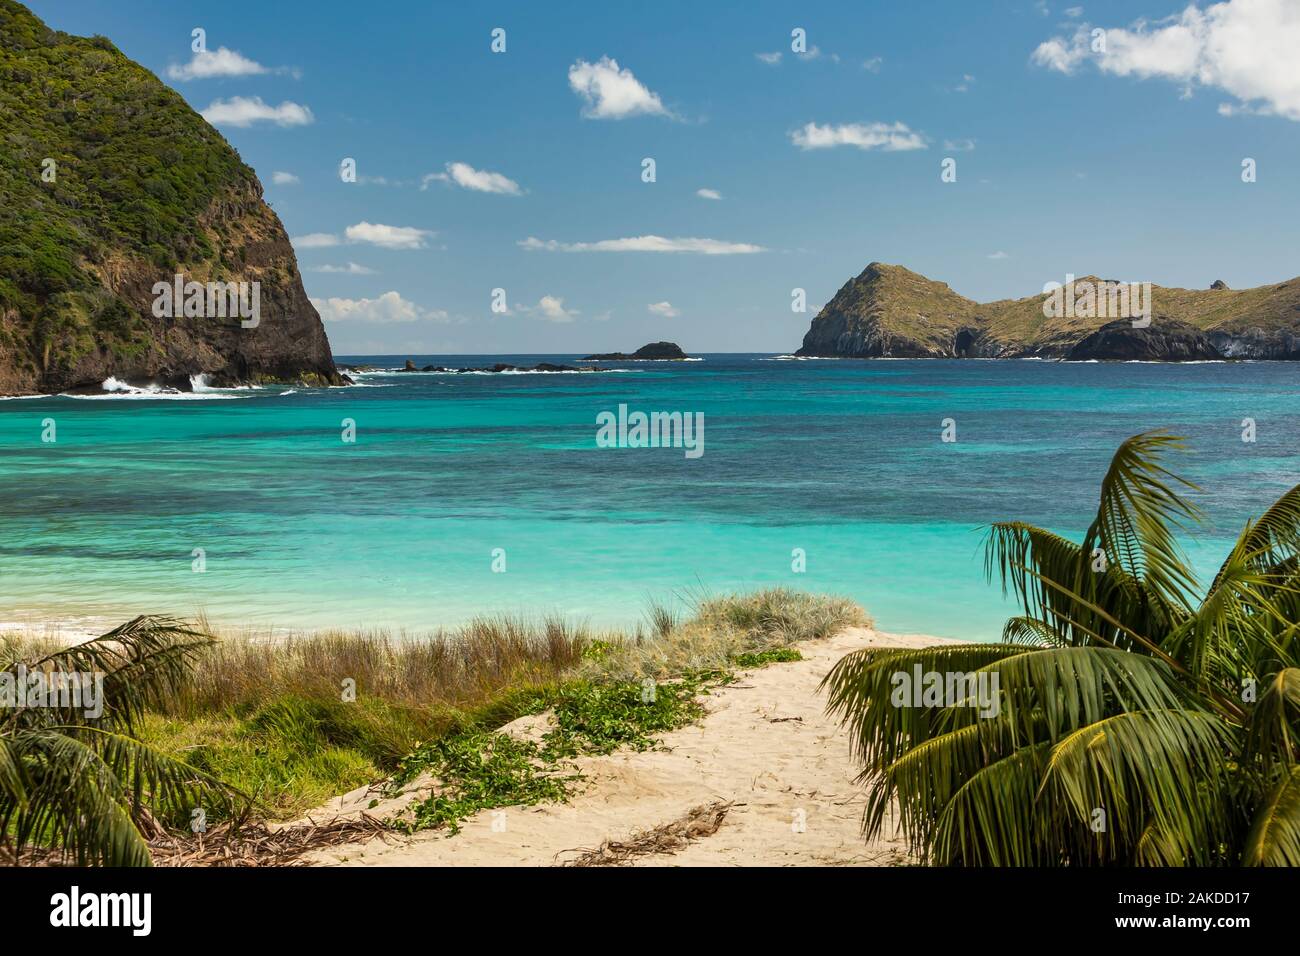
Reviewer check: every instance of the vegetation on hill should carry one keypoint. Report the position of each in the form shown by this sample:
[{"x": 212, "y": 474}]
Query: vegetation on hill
[
  {"x": 110, "y": 182},
  {"x": 132, "y": 173}
]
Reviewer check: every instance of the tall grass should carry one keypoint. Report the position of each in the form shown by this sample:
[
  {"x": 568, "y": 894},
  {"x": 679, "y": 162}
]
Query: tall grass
[
  {"x": 725, "y": 627},
  {"x": 292, "y": 721},
  {"x": 456, "y": 668}
]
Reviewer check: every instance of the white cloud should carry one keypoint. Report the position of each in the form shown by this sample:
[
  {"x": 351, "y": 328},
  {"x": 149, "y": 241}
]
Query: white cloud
[
  {"x": 1074, "y": 12},
  {"x": 389, "y": 237},
  {"x": 376, "y": 234},
  {"x": 550, "y": 308},
  {"x": 874, "y": 64},
  {"x": 314, "y": 240},
  {"x": 245, "y": 111},
  {"x": 612, "y": 93},
  {"x": 704, "y": 247},
  {"x": 771, "y": 59},
  {"x": 967, "y": 81},
  {"x": 1060, "y": 54},
  {"x": 886, "y": 136},
  {"x": 959, "y": 145},
  {"x": 1246, "y": 48},
  {"x": 664, "y": 309},
  {"x": 351, "y": 269},
  {"x": 284, "y": 179},
  {"x": 222, "y": 62},
  {"x": 479, "y": 180},
  {"x": 997, "y": 255},
  {"x": 812, "y": 53},
  {"x": 388, "y": 308},
  {"x": 708, "y": 194}
]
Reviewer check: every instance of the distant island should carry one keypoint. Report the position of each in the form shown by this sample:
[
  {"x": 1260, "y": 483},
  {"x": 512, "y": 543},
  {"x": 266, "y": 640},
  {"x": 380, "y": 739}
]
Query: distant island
[
  {"x": 654, "y": 352},
  {"x": 891, "y": 312},
  {"x": 111, "y": 189}
]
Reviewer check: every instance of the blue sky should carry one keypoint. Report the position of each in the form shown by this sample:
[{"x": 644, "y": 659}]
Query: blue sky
[{"x": 1123, "y": 162}]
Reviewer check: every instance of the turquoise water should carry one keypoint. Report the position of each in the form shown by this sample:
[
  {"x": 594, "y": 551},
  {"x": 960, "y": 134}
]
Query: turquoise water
[{"x": 840, "y": 458}]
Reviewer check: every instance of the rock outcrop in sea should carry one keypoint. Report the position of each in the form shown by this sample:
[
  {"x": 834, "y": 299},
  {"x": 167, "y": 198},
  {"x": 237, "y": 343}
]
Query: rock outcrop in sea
[{"x": 654, "y": 352}]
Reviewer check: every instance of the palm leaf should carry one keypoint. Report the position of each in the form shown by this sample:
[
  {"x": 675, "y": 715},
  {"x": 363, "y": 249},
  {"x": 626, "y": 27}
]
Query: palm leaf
[{"x": 1274, "y": 838}]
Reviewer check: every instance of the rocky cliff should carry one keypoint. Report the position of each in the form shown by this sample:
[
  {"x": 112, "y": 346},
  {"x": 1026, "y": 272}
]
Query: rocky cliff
[
  {"x": 891, "y": 312},
  {"x": 110, "y": 184}
]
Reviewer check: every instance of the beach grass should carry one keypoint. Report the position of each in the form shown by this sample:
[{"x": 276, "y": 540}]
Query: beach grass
[
  {"x": 294, "y": 721},
  {"x": 265, "y": 729}
]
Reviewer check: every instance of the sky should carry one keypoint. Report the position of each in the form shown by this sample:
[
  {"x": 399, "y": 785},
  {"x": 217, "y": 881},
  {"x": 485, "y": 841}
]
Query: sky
[{"x": 792, "y": 144}]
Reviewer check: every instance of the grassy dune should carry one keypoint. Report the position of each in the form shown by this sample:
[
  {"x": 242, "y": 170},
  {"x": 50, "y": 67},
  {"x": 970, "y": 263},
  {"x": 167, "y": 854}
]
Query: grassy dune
[{"x": 273, "y": 717}]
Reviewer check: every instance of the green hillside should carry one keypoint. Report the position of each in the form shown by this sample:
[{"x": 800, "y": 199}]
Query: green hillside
[{"x": 109, "y": 182}]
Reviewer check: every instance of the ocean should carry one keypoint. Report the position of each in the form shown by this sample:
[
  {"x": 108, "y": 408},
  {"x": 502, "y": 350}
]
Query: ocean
[{"x": 468, "y": 494}]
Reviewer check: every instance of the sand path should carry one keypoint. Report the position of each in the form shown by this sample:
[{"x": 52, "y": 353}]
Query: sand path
[{"x": 765, "y": 746}]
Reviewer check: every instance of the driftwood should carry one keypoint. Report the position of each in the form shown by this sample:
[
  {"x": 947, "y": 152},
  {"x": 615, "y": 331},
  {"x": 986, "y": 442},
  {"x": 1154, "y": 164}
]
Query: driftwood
[
  {"x": 236, "y": 843},
  {"x": 672, "y": 837},
  {"x": 253, "y": 843}
]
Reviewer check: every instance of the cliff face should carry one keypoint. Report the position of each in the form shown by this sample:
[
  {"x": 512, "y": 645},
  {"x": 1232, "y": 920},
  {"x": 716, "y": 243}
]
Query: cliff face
[
  {"x": 889, "y": 311},
  {"x": 111, "y": 184}
]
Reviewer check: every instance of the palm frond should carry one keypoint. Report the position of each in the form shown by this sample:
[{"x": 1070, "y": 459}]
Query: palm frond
[
  {"x": 1140, "y": 508},
  {"x": 1274, "y": 727},
  {"x": 1270, "y": 541},
  {"x": 1274, "y": 838},
  {"x": 1122, "y": 733},
  {"x": 1030, "y": 630},
  {"x": 79, "y": 783},
  {"x": 1144, "y": 768},
  {"x": 140, "y": 663}
]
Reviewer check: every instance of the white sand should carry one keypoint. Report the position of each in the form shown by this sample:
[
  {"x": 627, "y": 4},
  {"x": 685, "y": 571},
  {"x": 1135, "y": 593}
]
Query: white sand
[{"x": 747, "y": 751}]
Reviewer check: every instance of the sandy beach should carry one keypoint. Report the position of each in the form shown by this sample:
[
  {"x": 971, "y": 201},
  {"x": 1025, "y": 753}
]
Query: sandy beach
[{"x": 765, "y": 761}]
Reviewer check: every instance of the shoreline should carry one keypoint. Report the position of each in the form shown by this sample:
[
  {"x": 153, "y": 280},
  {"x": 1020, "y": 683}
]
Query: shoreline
[{"x": 76, "y": 629}]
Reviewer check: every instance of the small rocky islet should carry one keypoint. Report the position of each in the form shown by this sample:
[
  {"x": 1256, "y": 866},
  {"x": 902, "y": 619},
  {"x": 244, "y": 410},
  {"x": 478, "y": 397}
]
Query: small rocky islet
[{"x": 654, "y": 352}]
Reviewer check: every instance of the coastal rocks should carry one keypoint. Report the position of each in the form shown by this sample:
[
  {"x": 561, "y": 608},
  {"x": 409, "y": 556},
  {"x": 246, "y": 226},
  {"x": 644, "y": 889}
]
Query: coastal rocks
[
  {"x": 654, "y": 352},
  {"x": 1161, "y": 341},
  {"x": 1258, "y": 344},
  {"x": 865, "y": 340},
  {"x": 410, "y": 366}
]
